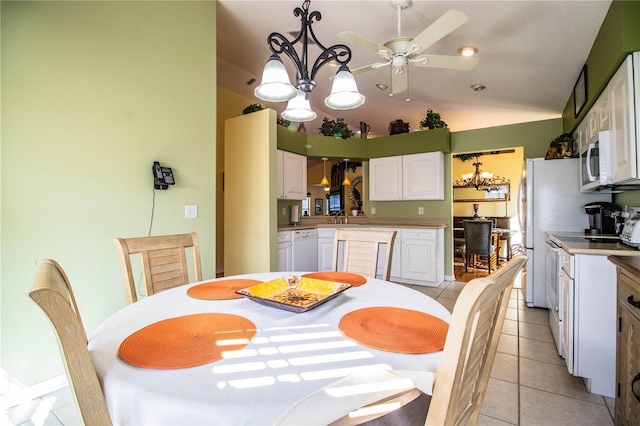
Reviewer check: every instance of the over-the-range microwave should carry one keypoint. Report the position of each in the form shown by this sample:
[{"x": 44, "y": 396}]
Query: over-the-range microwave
[{"x": 595, "y": 164}]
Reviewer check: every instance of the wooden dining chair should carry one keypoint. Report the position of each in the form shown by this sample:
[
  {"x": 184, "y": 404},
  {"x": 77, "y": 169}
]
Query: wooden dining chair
[
  {"x": 360, "y": 254},
  {"x": 52, "y": 292},
  {"x": 467, "y": 359},
  {"x": 164, "y": 262},
  {"x": 478, "y": 241}
]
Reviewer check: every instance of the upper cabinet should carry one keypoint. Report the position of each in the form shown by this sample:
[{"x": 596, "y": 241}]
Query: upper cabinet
[
  {"x": 407, "y": 177},
  {"x": 622, "y": 122},
  {"x": 292, "y": 176}
]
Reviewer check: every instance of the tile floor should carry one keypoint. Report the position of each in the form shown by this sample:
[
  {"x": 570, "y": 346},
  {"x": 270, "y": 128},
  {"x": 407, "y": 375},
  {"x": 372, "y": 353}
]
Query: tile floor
[{"x": 529, "y": 384}]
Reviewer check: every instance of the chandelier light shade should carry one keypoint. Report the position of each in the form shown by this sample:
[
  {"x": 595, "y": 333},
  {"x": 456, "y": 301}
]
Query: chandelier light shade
[
  {"x": 276, "y": 86},
  {"x": 299, "y": 109},
  {"x": 480, "y": 180},
  {"x": 344, "y": 92},
  {"x": 325, "y": 182},
  {"x": 346, "y": 181}
]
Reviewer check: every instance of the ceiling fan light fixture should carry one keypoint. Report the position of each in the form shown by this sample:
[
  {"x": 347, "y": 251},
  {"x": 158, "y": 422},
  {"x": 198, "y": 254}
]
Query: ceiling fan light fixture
[
  {"x": 275, "y": 85},
  {"x": 299, "y": 109},
  {"x": 344, "y": 92},
  {"x": 468, "y": 50}
]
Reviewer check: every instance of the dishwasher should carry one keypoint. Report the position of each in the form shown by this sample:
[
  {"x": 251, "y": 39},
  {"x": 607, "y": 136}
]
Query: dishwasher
[{"x": 304, "y": 246}]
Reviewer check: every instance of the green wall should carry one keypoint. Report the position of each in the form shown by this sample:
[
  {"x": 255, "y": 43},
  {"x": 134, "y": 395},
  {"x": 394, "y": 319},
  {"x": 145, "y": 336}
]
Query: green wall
[{"x": 92, "y": 94}]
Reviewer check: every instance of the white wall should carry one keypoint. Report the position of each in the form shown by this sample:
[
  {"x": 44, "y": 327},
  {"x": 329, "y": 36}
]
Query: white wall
[{"x": 92, "y": 94}]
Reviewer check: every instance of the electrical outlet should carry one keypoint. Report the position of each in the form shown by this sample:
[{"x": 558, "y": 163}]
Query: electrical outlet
[
  {"x": 191, "y": 212},
  {"x": 373, "y": 210},
  {"x": 420, "y": 210}
]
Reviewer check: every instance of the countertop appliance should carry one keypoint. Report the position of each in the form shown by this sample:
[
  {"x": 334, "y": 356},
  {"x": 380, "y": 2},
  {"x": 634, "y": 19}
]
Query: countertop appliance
[
  {"x": 602, "y": 218},
  {"x": 549, "y": 200},
  {"x": 304, "y": 247},
  {"x": 631, "y": 231}
]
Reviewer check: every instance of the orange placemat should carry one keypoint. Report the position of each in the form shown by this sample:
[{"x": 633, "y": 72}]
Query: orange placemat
[
  {"x": 395, "y": 329},
  {"x": 186, "y": 341},
  {"x": 338, "y": 277},
  {"x": 220, "y": 290}
]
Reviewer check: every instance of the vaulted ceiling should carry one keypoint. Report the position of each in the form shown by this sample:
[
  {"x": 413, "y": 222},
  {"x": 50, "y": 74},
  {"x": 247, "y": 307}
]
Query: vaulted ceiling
[{"x": 530, "y": 56}]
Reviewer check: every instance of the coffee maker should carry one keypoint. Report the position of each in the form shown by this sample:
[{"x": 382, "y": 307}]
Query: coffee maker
[{"x": 602, "y": 220}]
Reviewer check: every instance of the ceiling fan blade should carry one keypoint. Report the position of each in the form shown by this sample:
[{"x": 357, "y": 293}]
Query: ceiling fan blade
[
  {"x": 440, "y": 28},
  {"x": 399, "y": 82},
  {"x": 366, "y": 68},
  {"x": 357, "y": 40},
  {"x": 444, "y": 61}
]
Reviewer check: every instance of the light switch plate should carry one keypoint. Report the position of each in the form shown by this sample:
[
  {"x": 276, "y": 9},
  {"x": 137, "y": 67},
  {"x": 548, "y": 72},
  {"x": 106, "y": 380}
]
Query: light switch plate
[
  {"x": 190, "y": 212},
  {"x": 420, "y": 210},
  {"x": 373, "y": 210}
]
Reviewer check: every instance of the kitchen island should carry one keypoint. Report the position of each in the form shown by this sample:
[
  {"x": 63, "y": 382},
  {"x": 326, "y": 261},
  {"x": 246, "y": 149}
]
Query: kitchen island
[{"x": 418, "y": 251}]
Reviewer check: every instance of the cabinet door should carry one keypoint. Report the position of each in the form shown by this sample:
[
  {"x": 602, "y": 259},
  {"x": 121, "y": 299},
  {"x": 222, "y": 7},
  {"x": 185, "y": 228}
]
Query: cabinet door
[
  {"x": 284, "y": 257},
  {"x": 280, "y": 165},
  {"x": 294, "y": 176},
  {"x": 628, "y": 346},
  {"x": 419, "y": 259},
  {"x": 594, "y": 122},
  {"x": 623, "y": 145},
  {"x": 604, "y": 111},
  {"x": 325, "y": 254},
  {"x": 385, "y": 179},
  {"x": 423, "y": 176}
]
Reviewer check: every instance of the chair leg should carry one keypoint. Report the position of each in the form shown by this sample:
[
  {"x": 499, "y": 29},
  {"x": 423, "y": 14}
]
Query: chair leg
[{"x": 466, "y": 261}]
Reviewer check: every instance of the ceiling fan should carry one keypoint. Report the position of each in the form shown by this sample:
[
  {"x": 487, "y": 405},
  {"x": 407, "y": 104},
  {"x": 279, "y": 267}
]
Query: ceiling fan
[{"x": 401, "y": 51}]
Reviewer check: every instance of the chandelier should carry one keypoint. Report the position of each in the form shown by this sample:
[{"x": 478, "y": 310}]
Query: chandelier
[
  {"x": 480, "y": 180},
  {"x": 276, "y": 86}
]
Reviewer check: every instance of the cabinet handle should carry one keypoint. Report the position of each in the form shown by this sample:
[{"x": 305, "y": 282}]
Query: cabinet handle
[
  {"x": 630, "y": 300},
  {"x": 633, "y": 382}
]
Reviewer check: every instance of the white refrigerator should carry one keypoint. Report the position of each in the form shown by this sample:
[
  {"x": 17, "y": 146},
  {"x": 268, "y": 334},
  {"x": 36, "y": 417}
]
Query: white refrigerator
[{"x": 549, "y": 200}]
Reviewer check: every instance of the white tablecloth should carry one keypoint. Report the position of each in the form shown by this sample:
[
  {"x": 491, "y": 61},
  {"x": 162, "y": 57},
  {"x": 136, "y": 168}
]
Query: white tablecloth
[{"x": 292, "y": 356}]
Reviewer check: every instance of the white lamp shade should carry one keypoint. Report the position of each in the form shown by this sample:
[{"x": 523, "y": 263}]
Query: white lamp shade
[
  {"x": 344, "y": 92},
  {"x": 299, "y": 109},
  {"x": 275, "y": 85}
]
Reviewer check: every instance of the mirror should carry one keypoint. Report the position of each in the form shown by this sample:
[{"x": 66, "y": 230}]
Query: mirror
[{"x": 464, "y": 194}]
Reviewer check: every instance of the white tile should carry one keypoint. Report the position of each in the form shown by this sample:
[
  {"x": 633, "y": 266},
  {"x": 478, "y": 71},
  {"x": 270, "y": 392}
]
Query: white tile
[
  {"x": 510, "y": 327},
  {"x": 490, "y": 421},
  {"x": 539, "y": 408},
  {"x": 535, "y": 331},
  {"x": 501, "y": 401},
  {"x": 432, "y": 292},
  {"x": 505, "y": 367},
  {"x": 508, "y": 344},
  {"x": 447, "y": 303},
  {"x": 540, "y": 351},
  {"x": 456, "y": 285},
  {"x": 68, "y": 414},
  {"x": 535, "y": 316},
  {"x": 450, "y": 294}
]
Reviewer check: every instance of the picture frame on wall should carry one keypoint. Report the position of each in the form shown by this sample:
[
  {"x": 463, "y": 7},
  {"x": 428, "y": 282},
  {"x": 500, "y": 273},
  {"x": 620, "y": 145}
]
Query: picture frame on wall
[
  {"x": 318, "y": 206},
  {"x": 580, "y": 92}
]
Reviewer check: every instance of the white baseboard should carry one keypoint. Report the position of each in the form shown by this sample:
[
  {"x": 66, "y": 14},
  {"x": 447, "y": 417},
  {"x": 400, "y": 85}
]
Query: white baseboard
[
  {"x": 449, "y": 278},
  {"x": 19, "y": 394}
]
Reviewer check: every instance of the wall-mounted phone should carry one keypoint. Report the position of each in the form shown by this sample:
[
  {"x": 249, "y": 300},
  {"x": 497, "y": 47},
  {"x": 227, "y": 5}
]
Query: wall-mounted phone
[{"x": 162, "y": 176}]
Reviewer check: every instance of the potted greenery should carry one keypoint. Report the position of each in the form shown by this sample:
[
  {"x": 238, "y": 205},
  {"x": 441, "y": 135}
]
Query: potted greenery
[
  {"x": 432, "y": 121},
  {"x": 252, "y": 108},
  {"x": 398, "y": 126},
  {"x": 336, "y": 128}
]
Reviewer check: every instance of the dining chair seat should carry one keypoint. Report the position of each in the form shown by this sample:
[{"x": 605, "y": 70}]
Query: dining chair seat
[
  {"x": 360, "y": 251},
  {"x": 164, "y": 262},
  {"x": 52, "y": 292}
]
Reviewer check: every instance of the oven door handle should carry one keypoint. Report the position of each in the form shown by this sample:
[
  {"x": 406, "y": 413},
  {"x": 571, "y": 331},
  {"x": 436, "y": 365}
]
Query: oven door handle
[{"x": 589, "y": 173}]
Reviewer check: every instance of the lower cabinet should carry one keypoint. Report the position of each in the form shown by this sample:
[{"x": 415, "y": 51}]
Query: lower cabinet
[
  {"x": 325, "y": 248},
  {"x": 285, "y": 254},
  {"x": 628, "y": 347}
]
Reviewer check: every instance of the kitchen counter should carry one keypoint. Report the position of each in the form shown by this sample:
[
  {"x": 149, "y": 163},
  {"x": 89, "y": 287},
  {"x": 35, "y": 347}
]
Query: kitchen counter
[
  {"x": 628, "y": 263},
  {"x": 575, "y": 243},
  {"x": 356, "y": 222}
]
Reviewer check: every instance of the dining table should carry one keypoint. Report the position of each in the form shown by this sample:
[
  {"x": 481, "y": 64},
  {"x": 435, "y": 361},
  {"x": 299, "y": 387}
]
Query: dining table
[{"x": 284, "y": 367}]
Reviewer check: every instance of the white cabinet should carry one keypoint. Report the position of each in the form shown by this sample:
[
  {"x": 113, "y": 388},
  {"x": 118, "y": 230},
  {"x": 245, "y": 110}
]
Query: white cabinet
[
  {"x": 589, "y": 321},
  {"x": 285, "y": 254},
  {"x": 422, "y": 258},
  {"x": 396, "y": 256},
  {"x": 622, "y": 123},
  {"x": 292, "y": 176},
  {"x": 407, "y": 177},
  {"x": 325, "y": 248},
  {"x": 385, "y": 178}
]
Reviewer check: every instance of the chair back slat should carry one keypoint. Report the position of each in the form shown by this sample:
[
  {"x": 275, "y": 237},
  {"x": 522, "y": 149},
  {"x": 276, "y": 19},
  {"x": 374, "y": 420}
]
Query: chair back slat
[
  {"x": 361, "y": 250},
  {"x": 53, "y": 294},
  {"x": 164, "y": 262}
]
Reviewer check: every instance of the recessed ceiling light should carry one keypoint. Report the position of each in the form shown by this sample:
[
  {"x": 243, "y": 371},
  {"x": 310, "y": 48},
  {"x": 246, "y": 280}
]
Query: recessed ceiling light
[
  {"x": 382, "y": 86},
  {"x": 467, "y": 50},
  {"x": 478, "y": 87}
]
